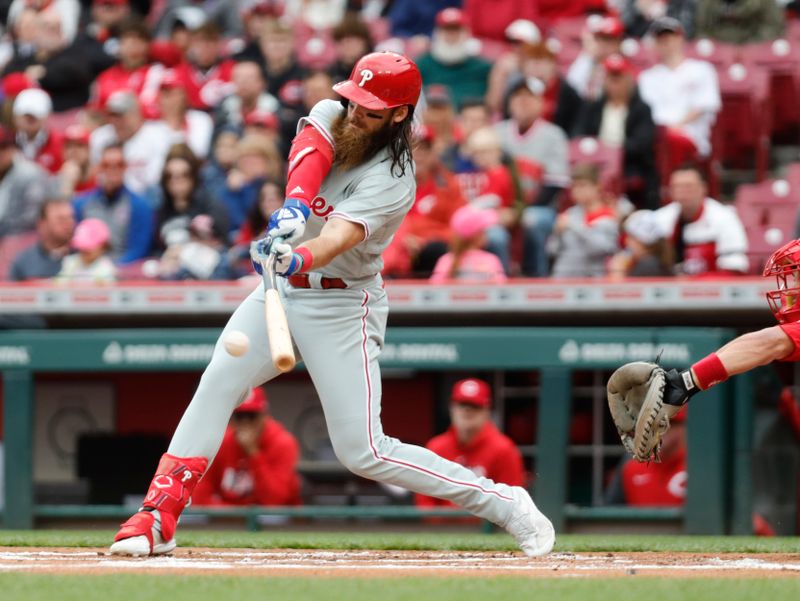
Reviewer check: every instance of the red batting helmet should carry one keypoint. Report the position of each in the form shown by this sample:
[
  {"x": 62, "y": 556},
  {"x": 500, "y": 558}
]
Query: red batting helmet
[
  {"x": 382, "y": 80},
  {"x": 784, "y": 264}
]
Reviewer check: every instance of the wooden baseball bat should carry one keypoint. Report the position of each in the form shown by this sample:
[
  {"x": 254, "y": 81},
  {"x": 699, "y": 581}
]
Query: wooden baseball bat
[{"x": 280, "y": 339}]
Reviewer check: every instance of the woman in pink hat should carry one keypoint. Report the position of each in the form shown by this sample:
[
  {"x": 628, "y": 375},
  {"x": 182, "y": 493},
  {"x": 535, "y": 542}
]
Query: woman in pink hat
[
  {"x": 91, "y": 263},
  {"x": 467, "y": 260}
]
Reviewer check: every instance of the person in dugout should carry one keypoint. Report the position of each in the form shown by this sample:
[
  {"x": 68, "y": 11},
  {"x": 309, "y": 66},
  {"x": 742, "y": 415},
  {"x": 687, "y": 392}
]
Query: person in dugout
[
  {"x": 473, "y": 440},
  {"x": 257, "y": 462}
]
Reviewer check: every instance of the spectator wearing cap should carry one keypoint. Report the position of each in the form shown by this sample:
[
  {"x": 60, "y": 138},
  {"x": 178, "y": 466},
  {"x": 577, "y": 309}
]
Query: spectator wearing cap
[
  {"x": 472, "y": 440},
  {"x": 586, "y": 235},
  {"x": 249, "y": 95},
  {"x": 275, "y": 54},
  {"x": 37, "y": 142},
  {"x": 91, "y": 263},
  {"x": 256, "y": 463},
  {"x": 655, "y": 483},
  {"x": 473, "y": 114},
  {"x": 76, "y": 174},
  {"x": 192, "y": 13},
  {"x": 193, "y": 126},
  {"x": 206, "y": 76},
  {"x": 621, "y": 119},
  {"x": 100, "y": 38},
  {"x": 425, "y": 233},
  {"x": 133, "y": 70},
  {"x": 466, "y": 260},
  {"x": 519, "y": 35},
  {"x": 682, "y": 92},
  {"x": 54, "y": 229},
  {"x": 257, "y": 159},
  {"x": 255, "y": 14},
  {"x": 57, "y": 65},
  {"x": 411, "y": 18},
  {"x": 562, "y": 104},
  {"x": 439, "y": 115},
  {"x": 740, "y": 21},
  {"x": 145, "y": 142},
  {"x": 528, "y": 137},
  {"x": 128, "y": 216},
  {"x": 352, "y": 40},
  {"x": 451, "y": 62},
  {"x": 601, "y": 38},
  {"x": 646, "y": 253},
  {"x": 183, "y": 198},
  {"x": 638, "y": 15},
  {"x": 23, "y": 188}
]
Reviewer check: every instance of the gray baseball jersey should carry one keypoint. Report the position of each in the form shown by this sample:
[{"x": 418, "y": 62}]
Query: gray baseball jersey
[
  {"x": 368, "y": 194},
  {"x": 339, "y": 335}
]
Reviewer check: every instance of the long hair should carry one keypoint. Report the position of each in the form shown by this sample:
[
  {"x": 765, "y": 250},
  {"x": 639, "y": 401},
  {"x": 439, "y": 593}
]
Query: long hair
[{"x": 401, "y": 143}]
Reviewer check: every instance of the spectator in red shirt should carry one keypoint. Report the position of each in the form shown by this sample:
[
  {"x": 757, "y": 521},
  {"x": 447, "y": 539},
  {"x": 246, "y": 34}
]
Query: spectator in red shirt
[
  {"x": 207, "y": 77},
  {"x": 474, "y": 441},
  {"x": 655, "y": 484},
  {"x": 425, "y": 233},
  {"x": 133, "y": 71},
  {"x": 36, "y": 141},
  {"x": 257, "y": 462}
]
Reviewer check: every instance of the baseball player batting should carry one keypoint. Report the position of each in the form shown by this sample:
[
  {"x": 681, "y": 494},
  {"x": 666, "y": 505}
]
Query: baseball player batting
[
  {"x": 643, "y": 396},
  {"x": 350, "y": 184}
]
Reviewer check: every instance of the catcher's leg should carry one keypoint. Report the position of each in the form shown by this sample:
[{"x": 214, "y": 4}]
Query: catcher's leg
[{"x": 224, "y": 384}]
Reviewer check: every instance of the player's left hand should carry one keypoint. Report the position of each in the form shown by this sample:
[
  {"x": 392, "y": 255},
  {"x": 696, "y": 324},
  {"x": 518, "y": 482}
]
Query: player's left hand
[
  {"x": 288, "y": 222},
  {"x": 287, "y": 262}
]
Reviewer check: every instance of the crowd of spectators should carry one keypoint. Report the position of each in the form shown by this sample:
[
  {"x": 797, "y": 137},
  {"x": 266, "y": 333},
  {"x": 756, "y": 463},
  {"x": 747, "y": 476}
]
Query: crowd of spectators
[{"x": 149, "y": 139}]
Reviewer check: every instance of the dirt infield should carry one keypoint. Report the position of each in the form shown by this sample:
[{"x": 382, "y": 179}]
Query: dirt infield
[{"x": 376, "y": 564}]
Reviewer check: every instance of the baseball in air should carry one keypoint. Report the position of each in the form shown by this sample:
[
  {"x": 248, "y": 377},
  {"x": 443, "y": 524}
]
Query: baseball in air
[{"x": 236, "y": 343}]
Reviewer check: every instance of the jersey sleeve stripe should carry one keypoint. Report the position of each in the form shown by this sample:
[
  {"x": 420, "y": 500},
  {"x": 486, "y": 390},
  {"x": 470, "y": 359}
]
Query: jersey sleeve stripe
[{"x": 347, "y": 217}]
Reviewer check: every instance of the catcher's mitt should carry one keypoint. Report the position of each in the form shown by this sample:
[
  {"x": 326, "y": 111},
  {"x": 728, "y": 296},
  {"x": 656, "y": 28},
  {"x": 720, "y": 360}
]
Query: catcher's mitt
[{"x": 636, "y": 400}]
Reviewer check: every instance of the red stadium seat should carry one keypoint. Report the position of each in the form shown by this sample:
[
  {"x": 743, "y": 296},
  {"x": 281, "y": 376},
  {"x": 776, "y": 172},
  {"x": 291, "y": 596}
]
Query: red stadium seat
[
  {"x": 781, "y": 59},
  {"x": 744, "y": 122},
  {"x": 568, "y": 30},
  {"x": 718, "y": 54},
  {"x": 609, "y": 160},
  {"x": 768, "y": 211},
  {"x": 793, "y": 175}
]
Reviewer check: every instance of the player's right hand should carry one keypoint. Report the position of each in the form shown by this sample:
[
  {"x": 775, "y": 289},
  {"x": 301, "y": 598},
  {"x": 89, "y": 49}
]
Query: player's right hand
[{"x": 288, "y": 222}]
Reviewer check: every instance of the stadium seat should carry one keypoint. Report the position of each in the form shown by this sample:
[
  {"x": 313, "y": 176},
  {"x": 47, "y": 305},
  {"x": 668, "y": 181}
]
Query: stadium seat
[
  {"x": 719, "y": 54},
  {"x": 568, "y": 31},
  {"x": 781, "y": 60},
  {"x": 768, "y": 211},
  {"x": 744, "y": 123},
  {"x": 608, "y": 159}
]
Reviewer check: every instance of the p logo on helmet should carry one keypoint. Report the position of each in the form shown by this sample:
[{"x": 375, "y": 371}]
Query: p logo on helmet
[{"x": 366, "y": 75}]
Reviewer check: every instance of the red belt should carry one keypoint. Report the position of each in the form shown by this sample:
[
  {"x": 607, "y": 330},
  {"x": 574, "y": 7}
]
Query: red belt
[{"x": 301, "y": 280}]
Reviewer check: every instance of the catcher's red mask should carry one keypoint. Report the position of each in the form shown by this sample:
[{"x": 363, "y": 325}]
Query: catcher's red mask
[{"x": 784, "y": 264}]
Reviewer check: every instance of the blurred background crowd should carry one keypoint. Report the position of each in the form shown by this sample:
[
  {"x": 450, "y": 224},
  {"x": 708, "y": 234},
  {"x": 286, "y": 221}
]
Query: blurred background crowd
[{"x": 590, "y": 138}]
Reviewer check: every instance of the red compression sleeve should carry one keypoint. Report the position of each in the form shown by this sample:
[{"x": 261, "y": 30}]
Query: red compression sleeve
[
  {"x": 709, "y": 371},
  {"x": 310, "y": 160}
]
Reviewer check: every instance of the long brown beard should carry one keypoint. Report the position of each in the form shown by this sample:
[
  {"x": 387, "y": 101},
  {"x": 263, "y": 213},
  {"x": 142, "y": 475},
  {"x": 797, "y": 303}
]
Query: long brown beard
[{"x": 354, "y": 146}]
